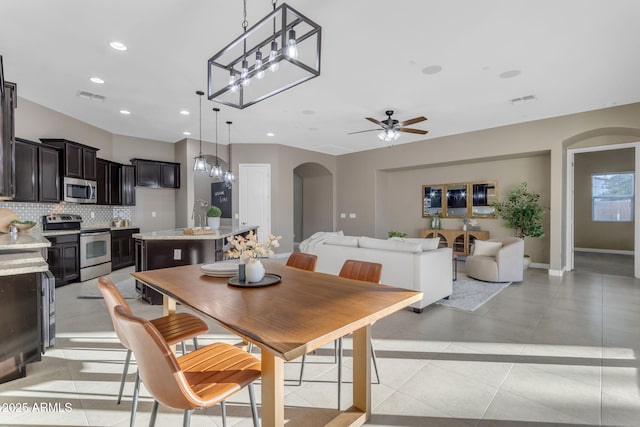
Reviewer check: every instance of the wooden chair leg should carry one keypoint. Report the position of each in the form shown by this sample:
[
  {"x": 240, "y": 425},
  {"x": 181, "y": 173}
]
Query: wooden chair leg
[
  {"x": 134, "y": 403},
  {"x": 223, "y": 407},
  {"x": 125, "y": 371},
  {"x": 186, "y": 421},
  {"x": 254, "y": 407},
  {"x": 154, "y": 413}
]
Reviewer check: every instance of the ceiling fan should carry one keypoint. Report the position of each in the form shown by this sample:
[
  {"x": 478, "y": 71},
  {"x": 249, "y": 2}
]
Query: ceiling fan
[{"x": 391, "y": 128}]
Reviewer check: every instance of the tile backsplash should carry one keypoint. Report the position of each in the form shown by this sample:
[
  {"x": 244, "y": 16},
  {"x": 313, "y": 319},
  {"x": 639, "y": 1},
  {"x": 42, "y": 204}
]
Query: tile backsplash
[{"x": 101, "y": 214}]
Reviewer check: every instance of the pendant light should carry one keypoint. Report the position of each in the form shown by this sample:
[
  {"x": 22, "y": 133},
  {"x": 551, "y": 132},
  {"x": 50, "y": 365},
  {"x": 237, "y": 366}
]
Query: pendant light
[
  {"x": 229, "y": 177},
  {"x": 200, "y": 163},
  {"x": 216, "y": 170}
]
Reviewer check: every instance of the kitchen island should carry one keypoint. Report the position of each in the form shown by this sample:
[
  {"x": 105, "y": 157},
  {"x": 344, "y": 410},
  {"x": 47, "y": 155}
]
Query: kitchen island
[
  {"x": 172, "y": 248},
  {"x": 22, "y": 266}
]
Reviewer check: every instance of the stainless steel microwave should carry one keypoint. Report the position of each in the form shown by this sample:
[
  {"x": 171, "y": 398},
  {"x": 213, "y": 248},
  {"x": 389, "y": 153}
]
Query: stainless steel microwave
[{"x": 79, "y": 190}]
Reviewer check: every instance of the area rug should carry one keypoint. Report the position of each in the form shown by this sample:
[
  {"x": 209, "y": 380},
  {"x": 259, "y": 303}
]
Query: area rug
[
  {"x": 469, "y": 294},
  {"x": 127, "y": 288}
]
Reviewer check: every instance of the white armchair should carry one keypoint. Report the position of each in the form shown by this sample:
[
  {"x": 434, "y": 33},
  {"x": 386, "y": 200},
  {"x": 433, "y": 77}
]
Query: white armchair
[{"x": 496, "y": 260}]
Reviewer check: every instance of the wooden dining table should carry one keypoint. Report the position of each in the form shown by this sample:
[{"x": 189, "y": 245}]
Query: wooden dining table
[{"x": 301, "y": 313}]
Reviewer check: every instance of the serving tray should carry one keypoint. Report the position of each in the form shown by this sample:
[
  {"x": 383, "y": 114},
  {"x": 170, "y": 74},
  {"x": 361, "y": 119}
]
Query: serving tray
[{"x": 267, "y": 280}]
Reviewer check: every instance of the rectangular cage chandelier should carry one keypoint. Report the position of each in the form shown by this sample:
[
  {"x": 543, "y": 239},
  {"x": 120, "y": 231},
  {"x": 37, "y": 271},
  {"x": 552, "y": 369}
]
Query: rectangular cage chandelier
[{"x": 279, "y": 52}]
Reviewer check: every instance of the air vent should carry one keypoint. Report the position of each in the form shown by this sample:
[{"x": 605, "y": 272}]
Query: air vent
[
  {"x": 522, "y": 100},
  {"x": 89, "y": 95}
]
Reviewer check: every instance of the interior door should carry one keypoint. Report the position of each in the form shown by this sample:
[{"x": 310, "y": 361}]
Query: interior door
[{"x": 254, "y": 192}]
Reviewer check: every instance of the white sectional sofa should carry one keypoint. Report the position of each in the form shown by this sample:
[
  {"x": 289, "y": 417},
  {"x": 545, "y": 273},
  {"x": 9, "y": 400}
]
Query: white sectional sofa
[{"x": 416, "y": 264}]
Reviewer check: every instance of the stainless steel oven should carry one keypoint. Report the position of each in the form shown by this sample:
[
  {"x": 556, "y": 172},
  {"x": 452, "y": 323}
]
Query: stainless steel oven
[
  {"x": 95, "y": 253},
  {"x": 79, "y": 190}
]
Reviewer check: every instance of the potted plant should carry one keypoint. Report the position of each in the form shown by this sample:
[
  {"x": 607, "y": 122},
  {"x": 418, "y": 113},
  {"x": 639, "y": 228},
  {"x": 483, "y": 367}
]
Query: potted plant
[
  {"x": 523, "y": 213},
  {"x": 213, "y": 217},
  {"x": 394, "y": 233}
]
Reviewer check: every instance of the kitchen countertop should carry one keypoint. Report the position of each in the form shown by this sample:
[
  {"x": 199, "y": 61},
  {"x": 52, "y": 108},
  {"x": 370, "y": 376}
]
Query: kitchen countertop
[
  {"x": 31, "y": 239},
  {"x": 21, "y": 262},
  {"x": 221, "y": 233}
]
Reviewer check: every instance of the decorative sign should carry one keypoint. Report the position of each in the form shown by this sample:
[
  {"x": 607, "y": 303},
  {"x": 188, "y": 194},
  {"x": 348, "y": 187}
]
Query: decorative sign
[{"x": 221, "y": 197}]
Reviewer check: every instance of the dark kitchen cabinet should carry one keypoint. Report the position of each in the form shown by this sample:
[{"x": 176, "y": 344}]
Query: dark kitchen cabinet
[
  {"x": 63, "y": 258},
  {"x": 78, "y": 160},
  {"x": 25, "y": 178},
  {"x": 8, "y": 104},
  {"x": 153, "y": 173},
  {"x": 128, "y": 185},
  {"x": 123, "y": 248},
  {"x": 36, "y": 176},
  {"x": 115, "y": 183},
  {"x": 21, "y": 320}
]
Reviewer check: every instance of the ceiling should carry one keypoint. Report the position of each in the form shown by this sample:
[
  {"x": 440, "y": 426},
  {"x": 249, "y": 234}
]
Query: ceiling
[{"x": 572, "y": 55}]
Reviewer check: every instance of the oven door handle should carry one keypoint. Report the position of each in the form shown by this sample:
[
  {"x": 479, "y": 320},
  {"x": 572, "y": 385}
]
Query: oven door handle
[{"x": 100, "y": 233}]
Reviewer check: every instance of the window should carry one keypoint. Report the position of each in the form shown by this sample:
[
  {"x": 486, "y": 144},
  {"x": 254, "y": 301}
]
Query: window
[{"x": 612, "y": 197}]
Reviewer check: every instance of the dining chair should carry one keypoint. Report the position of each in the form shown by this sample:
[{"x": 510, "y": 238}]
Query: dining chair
[
  {"x": 200, "y": 379},
  {"x": 174, "y": 328},
  {"x": 303, "y": 261},
  {"x": 357, "y": 270}
]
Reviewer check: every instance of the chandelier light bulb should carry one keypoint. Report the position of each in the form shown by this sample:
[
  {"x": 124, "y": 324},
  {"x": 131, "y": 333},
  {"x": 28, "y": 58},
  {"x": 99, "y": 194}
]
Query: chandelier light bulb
[
  {"x": 244, "y": 74},
  {"x": 232, "y": 81},
  {"x": 258, "y": 66},
  {"x": 273, "y": 64},
  {"x": 292, "y": 45}
]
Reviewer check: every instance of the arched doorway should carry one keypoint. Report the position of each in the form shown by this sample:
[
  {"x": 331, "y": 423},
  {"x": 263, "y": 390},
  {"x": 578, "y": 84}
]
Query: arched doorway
[{"x": 312, "y": 201}]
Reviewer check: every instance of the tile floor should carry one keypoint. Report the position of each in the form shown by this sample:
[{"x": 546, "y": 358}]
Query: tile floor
[{"x": 548, "y": 351}]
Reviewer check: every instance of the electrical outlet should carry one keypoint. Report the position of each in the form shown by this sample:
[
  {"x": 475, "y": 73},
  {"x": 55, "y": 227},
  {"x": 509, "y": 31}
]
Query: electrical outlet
[
  {"x": 236, "y": 216},
  {"x": 343, "y": 215},
  {"x": 177, "y": 254},
  {"x": 153, "y": 214},
  {"x": 93, "y": 215}
]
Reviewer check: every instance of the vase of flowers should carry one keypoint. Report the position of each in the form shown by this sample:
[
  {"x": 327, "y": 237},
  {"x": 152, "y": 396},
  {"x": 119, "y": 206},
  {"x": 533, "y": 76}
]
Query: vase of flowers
[{"x": 249, "y": 250}]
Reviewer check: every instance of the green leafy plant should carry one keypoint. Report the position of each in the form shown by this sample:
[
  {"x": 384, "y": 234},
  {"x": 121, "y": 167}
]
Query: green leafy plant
[
  {"x": 522, "y": 212},
  {"x": 214, "y": 211},
  {"x": 393, "y": 233}
]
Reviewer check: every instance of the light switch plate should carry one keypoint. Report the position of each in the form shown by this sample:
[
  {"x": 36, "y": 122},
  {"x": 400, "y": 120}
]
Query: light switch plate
[
  {"x": 343, "y": 215},
  {"x": 352, "y": 215},
  {"x": 177, "y": 254}
]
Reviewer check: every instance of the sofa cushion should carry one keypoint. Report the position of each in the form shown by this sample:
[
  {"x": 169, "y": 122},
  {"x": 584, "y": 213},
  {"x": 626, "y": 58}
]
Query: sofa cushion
[
  {"x": 427, "y": 244},
  {"x": 338, "y": 240},
  {"x": 389, "y": 245},
  {"x": 486, "y": 248}
]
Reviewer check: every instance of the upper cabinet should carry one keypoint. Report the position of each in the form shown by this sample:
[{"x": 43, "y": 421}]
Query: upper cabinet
[
  {"x": 8, "y": 104},
  {"x": 78, "y": 160},
  {"x": 38, "y": 177},
  {"x": 153, "y": 173},
  {"x": 470, "y": 199},
  {"x": 115, "y": 183}
]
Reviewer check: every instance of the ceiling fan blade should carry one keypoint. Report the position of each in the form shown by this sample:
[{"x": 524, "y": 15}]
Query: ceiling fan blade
[
  {"x": 374, "y": 121},
  {"x": 409, "y": 130},
  {"x": 361, "y": 131},
  {"x": 412, "y": 121}
]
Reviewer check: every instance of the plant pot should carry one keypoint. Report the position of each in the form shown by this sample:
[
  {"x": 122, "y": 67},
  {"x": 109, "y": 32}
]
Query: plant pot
[
  {"x": 213, "y": 222},
  {"x": 254, "y": 271}
]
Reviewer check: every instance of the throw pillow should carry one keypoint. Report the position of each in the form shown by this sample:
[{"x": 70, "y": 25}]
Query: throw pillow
[
  {"x": 389, "y": 245},
  {"x": 486, "y": 248},
  {"x": 427, "y": 244},
  {"x": 337, "y": 240}
]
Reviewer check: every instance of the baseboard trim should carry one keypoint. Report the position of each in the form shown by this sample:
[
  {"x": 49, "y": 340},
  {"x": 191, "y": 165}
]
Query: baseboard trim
[
  {"x": 539, "y": 265},
  {"x": 603, "y": 251},
  {"x": 558, "y": 273}
]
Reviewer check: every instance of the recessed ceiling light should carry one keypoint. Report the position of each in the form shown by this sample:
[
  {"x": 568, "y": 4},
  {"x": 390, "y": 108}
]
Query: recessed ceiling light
[
  {"x": 97, "y": 80},
  {"x": 185, "y": 112},
  {"x": 271, "y": 134},
  {"x": 125, "y": 112},
  {"x": 510, "y": 74},
  {"x": 186, "y": 133},
  {"x": 118, "y": 46},
  {"x": 432, "y": 69}
]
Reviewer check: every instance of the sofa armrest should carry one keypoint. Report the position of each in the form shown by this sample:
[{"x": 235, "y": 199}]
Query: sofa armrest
[
  {"x": 433, "y": 276},
  {"x": 510, "y": 260}
]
